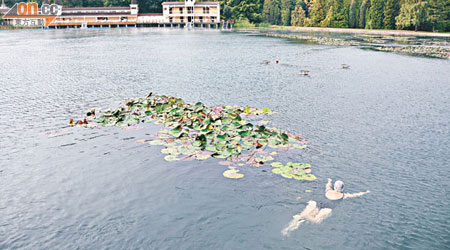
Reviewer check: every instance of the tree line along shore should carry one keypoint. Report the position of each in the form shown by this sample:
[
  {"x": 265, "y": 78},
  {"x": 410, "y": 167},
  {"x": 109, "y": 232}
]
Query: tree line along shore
[{"x": 430, "y": 15}]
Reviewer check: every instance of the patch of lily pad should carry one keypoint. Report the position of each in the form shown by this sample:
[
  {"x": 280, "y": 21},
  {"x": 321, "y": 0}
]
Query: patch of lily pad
[
  {"x": 194, "y": 131},
  {"x": 298, "y": 171}
]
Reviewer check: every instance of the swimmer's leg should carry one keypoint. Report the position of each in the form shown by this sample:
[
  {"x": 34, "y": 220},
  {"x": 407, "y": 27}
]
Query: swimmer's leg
[
  {"x": 322, "y": 215},
  {"x": 293, "y": 225},
  {"x": 309, "y": 211}
]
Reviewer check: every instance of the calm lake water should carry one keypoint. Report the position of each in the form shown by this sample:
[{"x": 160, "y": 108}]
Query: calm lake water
[{"x": 382, "y": 125}]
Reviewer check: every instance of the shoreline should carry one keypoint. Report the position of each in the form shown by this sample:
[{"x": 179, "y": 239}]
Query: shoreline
[{"x": 349, "y": 31}]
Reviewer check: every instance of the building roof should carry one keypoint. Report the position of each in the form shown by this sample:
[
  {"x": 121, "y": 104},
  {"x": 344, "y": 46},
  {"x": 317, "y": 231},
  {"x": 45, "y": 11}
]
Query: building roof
[
  {"x": 150, "y": 14},
  {"x": 196, "y": 3},
  {"x": 95, "y": 8},
  {"x": 122, "y": 13},
  {"x": 133, "y": 2},
  {"x": 206, "y": 3}
]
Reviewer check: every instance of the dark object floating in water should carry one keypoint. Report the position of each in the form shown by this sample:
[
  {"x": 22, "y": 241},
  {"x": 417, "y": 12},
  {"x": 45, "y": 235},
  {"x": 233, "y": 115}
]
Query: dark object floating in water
[
  {"x": 266, "y": 61},
  {"x": 304, "y": 72},
  {"x": 345, "y": 66}
]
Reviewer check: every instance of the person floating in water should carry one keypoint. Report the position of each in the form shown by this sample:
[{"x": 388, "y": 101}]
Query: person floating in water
[{"x": 318, "y": 211}]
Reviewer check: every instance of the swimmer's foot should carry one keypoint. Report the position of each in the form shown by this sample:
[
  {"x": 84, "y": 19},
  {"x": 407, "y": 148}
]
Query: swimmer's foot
[{"x": 293, "y": 225}]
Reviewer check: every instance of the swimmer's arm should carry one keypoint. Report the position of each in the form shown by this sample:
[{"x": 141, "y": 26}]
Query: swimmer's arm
[
  {"x": 347, "y": 195},
  {"x": 328, "y": 186}
]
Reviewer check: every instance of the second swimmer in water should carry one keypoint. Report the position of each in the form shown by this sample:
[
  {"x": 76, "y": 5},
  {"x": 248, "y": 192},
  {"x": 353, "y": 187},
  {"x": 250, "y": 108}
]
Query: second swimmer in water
[{"x": 318, "y": 211}]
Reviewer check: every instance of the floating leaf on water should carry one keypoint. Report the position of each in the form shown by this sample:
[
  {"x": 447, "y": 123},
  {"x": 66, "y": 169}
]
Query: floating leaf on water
[
  {"x": 276, "y": 171},
  {"x": 264, "y": 159},
  {"x": 195, "y": 131},
  {"x": 286, "y": 175},
  {"x": 299, "y": 146},
  {"x": 171, "y": 158},
  {"x": 266, "y": 111},
  {"x": 170, "y": 150},
  {"x": 202, "y": 155},
  {"x": 233, "y": 174},
  {"x": 308, "y": 191},
  {"x": 157, "y": 143},
  {"x": 309, "y": 177},
  {"x": 277, "y": 164}
]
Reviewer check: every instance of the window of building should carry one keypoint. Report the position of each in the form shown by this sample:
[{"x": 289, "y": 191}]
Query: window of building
[
  {"x": 170, "y": 19},
  {"x": 170, "y": 10},
  {"x": 201, "y": 19},
  {"x": 181, "y": 10},
  {"x": 213, "y": 19},
  {"x": 190, "y": 10},
  {"x": 182, "y": 19},
  {"x": 205, "y": 10}
]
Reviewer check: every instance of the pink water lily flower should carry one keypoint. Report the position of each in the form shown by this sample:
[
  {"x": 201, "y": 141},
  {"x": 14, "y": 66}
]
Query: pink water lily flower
[{"x": 218, "y": 110}]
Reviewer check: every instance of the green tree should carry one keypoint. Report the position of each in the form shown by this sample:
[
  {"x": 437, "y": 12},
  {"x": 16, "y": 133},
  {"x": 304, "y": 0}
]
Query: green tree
[
  {"x": 286, "y": 8},
  {"x": 339, "y": 18},
  {"x": 249, "y": 9},
  {"x": 391, "y": 9},
  {"x": 317, "y": 12},
  {"x": 272, "y": 11},
  {"x": 298, "y": 16},
  {"x": 244, "y": 9},
  {"x": 327, "y": 21},
  {"x": 439, "y": 14},
  {"x": 226, "y": 12},
  {"x": 352, "y": 15},
  {"x": 375, "y": 15},
  {"x": 413, "y": 13},
  {"x": 362, "y": 14}
]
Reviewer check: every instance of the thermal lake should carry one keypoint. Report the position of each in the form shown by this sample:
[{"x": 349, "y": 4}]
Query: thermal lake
[{"x": 380, "y": 125}]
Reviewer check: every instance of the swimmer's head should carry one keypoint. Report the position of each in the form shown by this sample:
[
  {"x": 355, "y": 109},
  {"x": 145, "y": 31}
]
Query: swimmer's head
[{"x": 339, "y": 186}]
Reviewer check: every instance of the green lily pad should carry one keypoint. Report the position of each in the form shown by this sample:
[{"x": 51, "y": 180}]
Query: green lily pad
[
  {"x": 171, "y": 158},
  {"x": 194, "y": 131},
  {"x": 309, "y": 177},
  {"x": 286, "y": 175},
  {"x": 277, "y": 164},
  {"x": 276, "y": 171},
  {"x": 233, "y": 174},
  {"x": 157, "y": 143},
  {"x": 298, "y": 146},
  {"x": 170, "y": 150}
]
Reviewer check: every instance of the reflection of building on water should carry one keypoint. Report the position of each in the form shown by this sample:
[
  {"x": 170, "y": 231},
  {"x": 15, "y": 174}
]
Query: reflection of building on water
[{"x": 175, "y": 14}]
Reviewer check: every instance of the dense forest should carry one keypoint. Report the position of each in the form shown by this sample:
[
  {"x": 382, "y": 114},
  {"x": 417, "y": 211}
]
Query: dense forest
[
  {"x": 429, "y": 15},
  {"x": 366, "y": 14}
]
